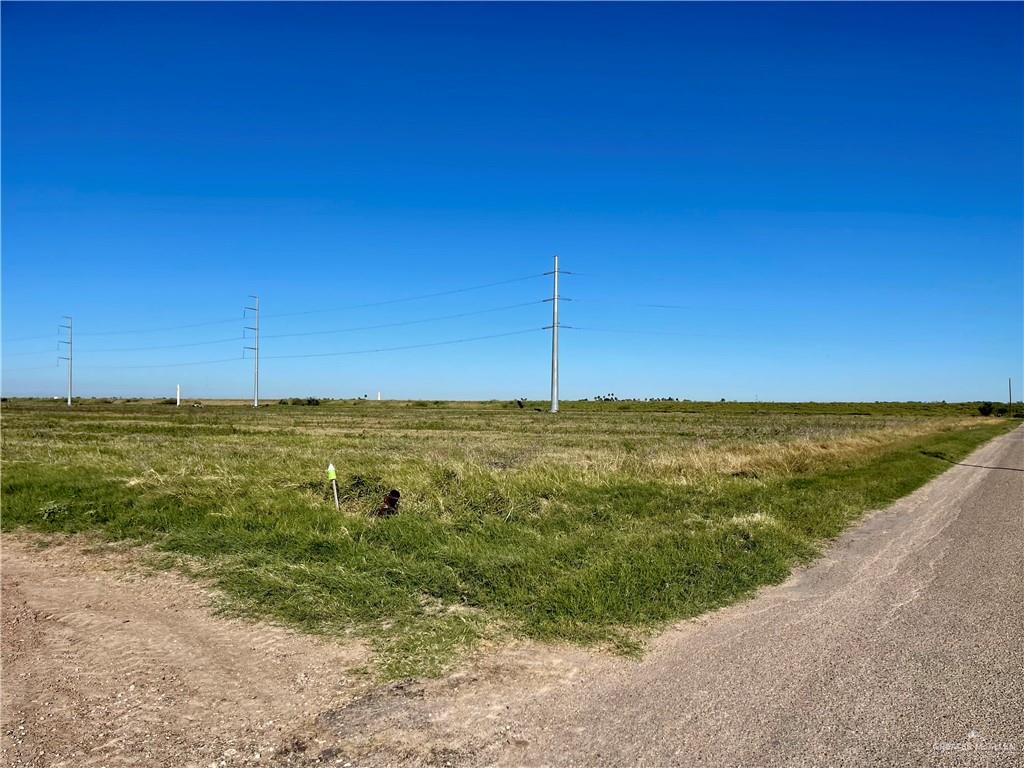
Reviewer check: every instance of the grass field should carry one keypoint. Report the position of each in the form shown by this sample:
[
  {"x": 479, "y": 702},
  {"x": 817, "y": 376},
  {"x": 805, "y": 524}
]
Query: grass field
[{"x": 595, "y": 526}]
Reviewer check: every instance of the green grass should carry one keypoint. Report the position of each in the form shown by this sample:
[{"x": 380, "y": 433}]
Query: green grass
[{"x": 595, "y": 526}]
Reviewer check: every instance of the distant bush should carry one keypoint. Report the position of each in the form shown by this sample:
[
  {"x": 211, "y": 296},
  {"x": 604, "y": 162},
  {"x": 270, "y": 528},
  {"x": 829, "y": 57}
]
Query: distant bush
[
  {"x": 993, "y": 409},
  {"x": 168, "y": 401},
  {"x": 300, "y": 401}
]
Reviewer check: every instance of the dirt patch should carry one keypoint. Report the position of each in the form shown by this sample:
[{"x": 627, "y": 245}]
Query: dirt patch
[{"x": 105, "y": 664}]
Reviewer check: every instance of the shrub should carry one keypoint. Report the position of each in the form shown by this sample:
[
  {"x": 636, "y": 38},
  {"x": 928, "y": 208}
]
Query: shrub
[
  {"x": 53, "y": 510},
  {"x": 985, "y": 409}
]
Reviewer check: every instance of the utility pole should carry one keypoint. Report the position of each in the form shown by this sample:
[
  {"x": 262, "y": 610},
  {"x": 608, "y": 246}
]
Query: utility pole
[
  {"x": 177, "y": 397},
  {"x": 70, "y": 341},
  {"x": 256, "y": 351},
  {"x": 554, "y": 341},
  {"x": 1009, "y": 406}
]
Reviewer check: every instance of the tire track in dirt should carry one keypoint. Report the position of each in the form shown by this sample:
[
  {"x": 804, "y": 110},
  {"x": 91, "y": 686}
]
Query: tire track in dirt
[{"x": 106, "y": 667}]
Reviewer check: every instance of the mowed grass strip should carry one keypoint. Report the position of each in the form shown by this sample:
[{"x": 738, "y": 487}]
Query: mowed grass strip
[{"x": 595, "y": 526}]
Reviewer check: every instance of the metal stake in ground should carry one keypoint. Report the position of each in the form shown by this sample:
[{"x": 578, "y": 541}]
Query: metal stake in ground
[{"x": 332, "y": 475}]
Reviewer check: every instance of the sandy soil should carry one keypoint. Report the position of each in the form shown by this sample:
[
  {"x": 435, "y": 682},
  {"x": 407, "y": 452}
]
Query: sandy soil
[
  {"x": 104, "y": 665},
  {"x": 106, "y": 662}
]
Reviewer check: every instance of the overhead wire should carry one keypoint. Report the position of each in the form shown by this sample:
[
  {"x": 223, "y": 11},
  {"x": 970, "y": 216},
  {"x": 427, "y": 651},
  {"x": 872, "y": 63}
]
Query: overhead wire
[
  {"x": 405, "y": 299},
  {"x": 326, "y": 354},
  {"x": 405, "y": 346},
  {"x": 27, "y": 338},
  {"x": 28, "y": 354},
  {"x": 403, "y": 322},
  {"x": 165, "y": 346},
  {"x": 115, "y": 366},
  {"x": 305, "y": 333},
  {"x": 651, "y": 305},
  {"x": 5, "y": 369},
  {"x": 207, "y": 323},
  {"x": 143, "y": 331}
]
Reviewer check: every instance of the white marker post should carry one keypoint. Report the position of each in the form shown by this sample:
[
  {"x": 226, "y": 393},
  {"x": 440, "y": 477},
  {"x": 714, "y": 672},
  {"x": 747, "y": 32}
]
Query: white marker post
[
  {"x": 178, "y": 404},
  {"x": 378, "y": 395},
  {"x": 332, "y": 475}
]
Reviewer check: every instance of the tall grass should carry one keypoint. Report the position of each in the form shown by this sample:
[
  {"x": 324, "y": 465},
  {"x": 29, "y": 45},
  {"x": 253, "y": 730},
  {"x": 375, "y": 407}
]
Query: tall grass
[{"x": 594, "y": 526}]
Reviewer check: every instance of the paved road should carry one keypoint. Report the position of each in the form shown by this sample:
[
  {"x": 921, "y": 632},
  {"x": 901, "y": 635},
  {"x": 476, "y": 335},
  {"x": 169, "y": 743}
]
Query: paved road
[{"x": 905, "y": 646}]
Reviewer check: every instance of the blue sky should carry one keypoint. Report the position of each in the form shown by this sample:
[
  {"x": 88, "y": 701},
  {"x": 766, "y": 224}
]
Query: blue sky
[{"x": 827, "y": 197}]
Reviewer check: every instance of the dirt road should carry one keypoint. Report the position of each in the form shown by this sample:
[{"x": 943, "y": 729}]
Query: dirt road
[
  {"x": 904, "y": 646},
  {"x": 106, "y": 666}
]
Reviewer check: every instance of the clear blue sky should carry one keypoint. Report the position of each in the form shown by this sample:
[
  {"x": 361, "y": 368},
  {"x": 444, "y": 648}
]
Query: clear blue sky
[{"x": 828, "y": 196}]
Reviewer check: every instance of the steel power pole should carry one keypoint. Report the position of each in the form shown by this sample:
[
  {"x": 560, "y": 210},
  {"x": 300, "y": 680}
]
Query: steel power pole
[
  {"x": 554, "y": 341},
  {"x": 70, "y": 342},
  {"x": 256, "y": 351},
  {"x": 1009, "y": 389}
]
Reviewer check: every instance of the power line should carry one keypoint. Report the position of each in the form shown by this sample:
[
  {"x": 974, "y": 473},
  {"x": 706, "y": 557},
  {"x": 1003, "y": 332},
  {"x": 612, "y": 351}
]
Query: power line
[
  {"x": 643, "y": 332},
  {"x": 404, "y": 299},
  {"x": 686, "y": 334},
  {"x": 26, "y": 338},
  {"x": 166, "y": 365},
  {"x": 165, "y": 346},
  {"x": 131, "y": 349},
  {"x": 615, "y": 302},
  {"x": 330, "y": 354},
  {"x": 403, "y": 322},
  {"x": 28, "y": 354},
  {"x": 207, "y": 323},
  {"x": 66, "y": 341},
  {"x": 143, "y": 331},
  {"x": 406, "y": 346},
  {"x": 302, "y": 333},
  {"x": 5, "y": 369}
]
